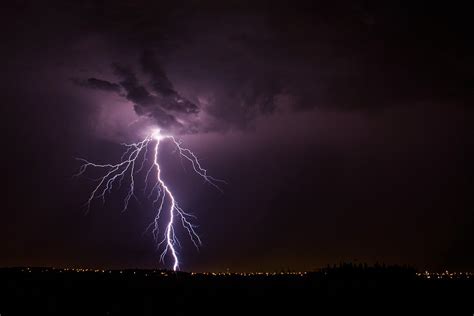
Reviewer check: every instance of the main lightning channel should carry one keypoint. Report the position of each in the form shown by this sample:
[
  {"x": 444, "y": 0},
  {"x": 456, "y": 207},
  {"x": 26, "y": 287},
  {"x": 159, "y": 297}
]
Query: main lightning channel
[{"x": 164, "y": 199}]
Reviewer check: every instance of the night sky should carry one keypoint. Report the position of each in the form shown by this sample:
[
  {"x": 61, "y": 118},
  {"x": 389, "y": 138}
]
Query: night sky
[{"x": 344, "y": 131}]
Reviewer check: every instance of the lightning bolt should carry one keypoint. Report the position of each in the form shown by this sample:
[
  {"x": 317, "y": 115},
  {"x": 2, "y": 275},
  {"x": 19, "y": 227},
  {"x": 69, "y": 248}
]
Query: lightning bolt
[{"x": 164, "y": 200}]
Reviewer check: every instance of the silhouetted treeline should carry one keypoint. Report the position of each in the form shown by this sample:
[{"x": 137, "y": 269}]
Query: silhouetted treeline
[{"x": 351, "y": 270}]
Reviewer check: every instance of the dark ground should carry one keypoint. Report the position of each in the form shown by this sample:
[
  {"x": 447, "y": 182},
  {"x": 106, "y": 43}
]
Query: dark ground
[{"x": 349, "y": 290}]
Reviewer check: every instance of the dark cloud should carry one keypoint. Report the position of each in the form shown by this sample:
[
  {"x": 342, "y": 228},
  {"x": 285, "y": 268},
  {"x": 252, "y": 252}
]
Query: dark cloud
[
  {"x": 164, "y": 106},
  {"x": 146, "y": 104},
  {"x": 160, "y": 83},
  {"x": 159, "y": 80},
  {"x": 244, "y": 61},
  {"x": 98, "y": 84}
]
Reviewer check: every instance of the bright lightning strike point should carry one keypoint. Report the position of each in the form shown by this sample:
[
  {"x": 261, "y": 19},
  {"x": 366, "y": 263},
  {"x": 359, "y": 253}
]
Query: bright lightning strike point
[
  {"x": 156, "y": 134},
  {"x": 164, "y": 200}
]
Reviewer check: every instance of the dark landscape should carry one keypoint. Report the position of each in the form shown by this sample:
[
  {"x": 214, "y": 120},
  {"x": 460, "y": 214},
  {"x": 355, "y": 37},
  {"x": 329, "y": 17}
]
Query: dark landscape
[{"x": 345, "y": 289}]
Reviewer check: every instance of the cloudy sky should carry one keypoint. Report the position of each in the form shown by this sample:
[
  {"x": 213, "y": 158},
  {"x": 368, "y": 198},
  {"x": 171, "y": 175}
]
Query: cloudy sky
[{"x": 344, "y": 130}]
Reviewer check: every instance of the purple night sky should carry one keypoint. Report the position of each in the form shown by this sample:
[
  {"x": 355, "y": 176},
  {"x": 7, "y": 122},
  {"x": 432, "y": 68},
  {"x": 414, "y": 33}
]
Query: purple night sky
[{"x": 342, "y": 131}]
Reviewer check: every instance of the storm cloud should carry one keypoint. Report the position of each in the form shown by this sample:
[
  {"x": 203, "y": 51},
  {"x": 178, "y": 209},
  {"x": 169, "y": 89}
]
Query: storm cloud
[
  {"x": 348, "y": 117},
  {"x": 225, "y": 72},
  {"x": 166, "y": 107},
  {"x": 98, "y": 84}
]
